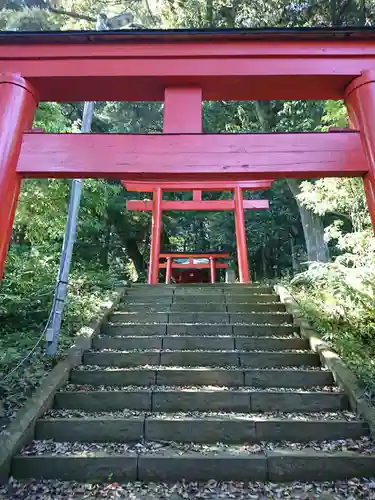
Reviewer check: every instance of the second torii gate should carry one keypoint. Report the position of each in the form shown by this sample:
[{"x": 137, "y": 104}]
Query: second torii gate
[{"x": 157, "y": 205}]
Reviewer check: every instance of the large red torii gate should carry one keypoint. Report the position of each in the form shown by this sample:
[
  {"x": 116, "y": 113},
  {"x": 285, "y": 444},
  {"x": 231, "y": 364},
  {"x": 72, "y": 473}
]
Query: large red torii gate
[
  {"x": 237, "y": 204},
  {"x": 183, "y": 68}
]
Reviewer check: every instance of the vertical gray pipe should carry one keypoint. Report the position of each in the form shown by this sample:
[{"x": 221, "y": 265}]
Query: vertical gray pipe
[{"x": 59, "y": 300}]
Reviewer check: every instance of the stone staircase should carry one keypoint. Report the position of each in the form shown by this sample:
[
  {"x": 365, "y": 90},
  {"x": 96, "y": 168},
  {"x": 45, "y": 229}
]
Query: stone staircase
[{"x": 199, "y": 382}]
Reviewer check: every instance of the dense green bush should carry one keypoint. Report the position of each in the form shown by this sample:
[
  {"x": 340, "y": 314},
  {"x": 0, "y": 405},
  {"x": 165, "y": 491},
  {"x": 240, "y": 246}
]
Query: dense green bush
[
  {"x": 340, "y": 302},
  {"x": 26, "y": 298}
]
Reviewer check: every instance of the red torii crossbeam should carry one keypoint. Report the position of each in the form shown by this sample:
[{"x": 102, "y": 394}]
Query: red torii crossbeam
[
  {"x": 184, "y": 157},
  {"x": 184, "y": 68},
  {"x": 196, "y": 205},
  {"x": 157, "y": 205}
]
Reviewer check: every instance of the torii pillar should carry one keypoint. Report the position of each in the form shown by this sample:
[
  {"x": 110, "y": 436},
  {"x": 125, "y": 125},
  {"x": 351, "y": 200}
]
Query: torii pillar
[
  {"x": 17, "y": 108},
  {"x": 239, "y": 218},
  {"x": 153, "y": 269},
  {"x": 360, "y": 101}
]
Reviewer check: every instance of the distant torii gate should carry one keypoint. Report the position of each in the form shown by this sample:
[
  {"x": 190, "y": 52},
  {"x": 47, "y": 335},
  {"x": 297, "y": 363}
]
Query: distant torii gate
[{"x": 157, "y": 205}]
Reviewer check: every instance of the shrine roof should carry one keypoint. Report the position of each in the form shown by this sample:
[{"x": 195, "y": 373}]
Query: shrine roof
[{"x": 181, "y": 35}]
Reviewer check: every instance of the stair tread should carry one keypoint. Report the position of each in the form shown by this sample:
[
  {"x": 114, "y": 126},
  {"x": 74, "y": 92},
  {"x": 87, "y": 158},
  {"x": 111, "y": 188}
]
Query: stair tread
[
  {"x": 221, "y": 351},
  {"x": 198, "y": 323},
  {"x": 199, "y": 388},
  {"x": 192, "y": 337},
  {"x": 62, "y": 415},
  {"x": 177, "y": 389},
  {"x": 348, "y": 447},
  {"x": 307, "y": 369}
]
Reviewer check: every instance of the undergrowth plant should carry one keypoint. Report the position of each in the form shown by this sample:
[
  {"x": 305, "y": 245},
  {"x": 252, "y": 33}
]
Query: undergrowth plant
[
  {"x": 340, "y": 302},
  {"x": 25, "y": 302}
]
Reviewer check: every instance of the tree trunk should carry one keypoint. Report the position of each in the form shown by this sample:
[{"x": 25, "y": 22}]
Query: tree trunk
[
  {"x": 104, "y": 254},
  {"x": 116, "y": 220},
  {"x": 135, "y": 255},
  {"x": 264, "y": 263},
  {"x": 313, "y": 229},
  {"x": 209, "y": 13},
  {"x": 293, "y": 254}
]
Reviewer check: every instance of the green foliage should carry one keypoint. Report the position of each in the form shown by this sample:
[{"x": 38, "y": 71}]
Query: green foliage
[
  {"x": 31, "y": 20},
  {"x": 335, "y": 114},
  {"x": 25, "y": 301},
  {"x": 51, "y": 118},
  {"x": 340, "y": 302}
]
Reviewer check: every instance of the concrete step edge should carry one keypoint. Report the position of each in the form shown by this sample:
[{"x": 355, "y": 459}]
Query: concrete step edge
[
  {"x": 180, "y": 390},
  {"x": 187, "y": 369},
  {"x": 206, "y": 419},
  {"x": 173, "y": 466},
  {"x": 213, "y": 351}
]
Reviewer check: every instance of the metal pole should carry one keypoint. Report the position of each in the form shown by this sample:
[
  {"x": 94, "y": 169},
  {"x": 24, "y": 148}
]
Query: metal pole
[
  {"x": 53, "y": 332},
  {"x": 59, "y": 300}
]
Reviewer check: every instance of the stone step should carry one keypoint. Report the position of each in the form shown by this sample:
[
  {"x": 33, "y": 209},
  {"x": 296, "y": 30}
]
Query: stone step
[
  {"x": 202, "y": 400},
  {"x": 93, "y": 429},
  {"x": 287, "y": 378},
  {"x": 202, "y": 291},
  {"x": 199, "y": 429},
  {"x": 153, "y": 342},
  {"x": 139, "y": 317},
  {"x": 269, "y": 359},
  {"x": 205, "y": 307},
  {"x": 150, "y": 293},
  {"x": 201, "y": 317},
  {"x": 236, "y": 430},
  {"x": 239, "y": 307},
  {"x": 192, "y": 342},
  {"x": 186, "y": 286},
  {"x": 151, "y": 307},
  {"x": 235, "y": 290},
  {"x": 226, "y": 299},
  {"x": 135, "y": 329},
  {"x": 173, "y": 463},
  {"x": 192, "y": 299},
  {"x": 270, "y": 343},
  {"x": 124, "y": 343},
  {"x": 263, "y": 359}
]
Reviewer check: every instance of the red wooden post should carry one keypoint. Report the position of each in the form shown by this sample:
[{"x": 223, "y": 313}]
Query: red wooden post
[
  {"x": 182, "y": 110},
  {"x": 213, "y": 269},
  {"x": 168, "y": 272},
  {"x": 17, "y": 108},
  {"x": 360, "y": 100},
  {"x": 197, "y": 195},
  {"x": 153, "y": 271},
  {"x": 243, "y": 264}
]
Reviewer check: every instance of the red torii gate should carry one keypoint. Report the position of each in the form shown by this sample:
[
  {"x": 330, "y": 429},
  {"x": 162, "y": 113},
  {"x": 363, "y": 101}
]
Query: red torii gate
[
  {"x": 183, "y": 68},
  {"x": 157, "y": 205}
]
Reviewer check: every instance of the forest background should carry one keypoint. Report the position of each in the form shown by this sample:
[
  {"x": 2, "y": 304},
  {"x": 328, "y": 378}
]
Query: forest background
[{"x": 316, "y": 237}]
